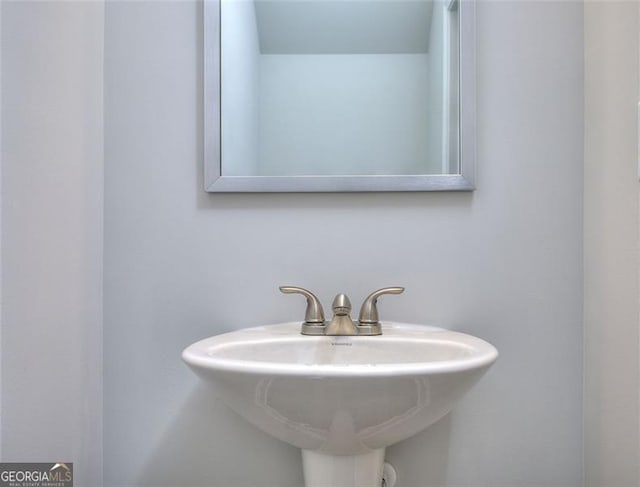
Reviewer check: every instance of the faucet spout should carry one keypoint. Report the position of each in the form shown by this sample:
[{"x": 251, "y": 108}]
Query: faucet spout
[{"x": 341, "y": 323}]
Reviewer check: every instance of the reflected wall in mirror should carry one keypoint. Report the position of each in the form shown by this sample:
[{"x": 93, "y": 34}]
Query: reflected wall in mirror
[{"x": 338, "y": 95}]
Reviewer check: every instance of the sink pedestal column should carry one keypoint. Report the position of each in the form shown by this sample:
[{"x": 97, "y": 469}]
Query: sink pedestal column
[{"x": 322, "y": 470}]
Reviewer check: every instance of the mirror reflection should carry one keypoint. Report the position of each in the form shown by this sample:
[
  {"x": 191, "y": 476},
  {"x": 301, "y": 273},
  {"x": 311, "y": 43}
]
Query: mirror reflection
[{"x": 339, "y": 87}]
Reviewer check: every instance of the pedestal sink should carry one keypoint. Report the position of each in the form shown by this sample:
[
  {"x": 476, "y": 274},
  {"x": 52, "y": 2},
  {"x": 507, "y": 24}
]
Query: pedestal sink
[{"x": 341, "y": 399}]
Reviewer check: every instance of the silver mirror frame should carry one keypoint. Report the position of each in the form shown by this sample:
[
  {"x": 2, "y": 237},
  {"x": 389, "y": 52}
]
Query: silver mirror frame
[{"x": 216, "y": 182}]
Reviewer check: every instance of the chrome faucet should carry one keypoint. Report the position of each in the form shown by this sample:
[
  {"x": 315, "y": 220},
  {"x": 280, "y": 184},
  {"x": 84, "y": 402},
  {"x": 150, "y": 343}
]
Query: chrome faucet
[{"x": 341, "y": 324}]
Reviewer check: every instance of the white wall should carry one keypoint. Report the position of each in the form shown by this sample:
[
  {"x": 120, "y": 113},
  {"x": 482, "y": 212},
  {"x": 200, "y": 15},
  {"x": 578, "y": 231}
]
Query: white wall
[
  {"x": 240, "y": 88},
  {"x": 1, "y": 273},
  {"x": 612, "y": 309},
  {"x": 503, "y": 263},
  {"x": 344, "y": 114},
  {"x": 52, "y": 206}
]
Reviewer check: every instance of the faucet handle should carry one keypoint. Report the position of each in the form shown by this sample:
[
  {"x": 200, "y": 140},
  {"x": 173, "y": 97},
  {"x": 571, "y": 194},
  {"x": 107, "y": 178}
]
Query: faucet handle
[
  {"x": 314, "y": 313},
  {"x": 369, "y": 310}
]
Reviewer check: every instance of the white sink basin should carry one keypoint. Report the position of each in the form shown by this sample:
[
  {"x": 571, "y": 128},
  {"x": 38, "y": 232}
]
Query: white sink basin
[{"x": 341, "y": 399}]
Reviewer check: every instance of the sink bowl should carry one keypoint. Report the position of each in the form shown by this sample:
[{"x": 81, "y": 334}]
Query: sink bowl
[{"x": 341, "y": 399}]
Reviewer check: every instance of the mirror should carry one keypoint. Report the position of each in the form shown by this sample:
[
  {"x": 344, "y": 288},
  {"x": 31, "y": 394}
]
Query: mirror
[{"x": 339, "y": 95}]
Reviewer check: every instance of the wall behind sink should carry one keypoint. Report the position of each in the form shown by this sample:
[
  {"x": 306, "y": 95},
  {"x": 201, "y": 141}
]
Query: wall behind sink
[
  {"x": 503, "y": 263},
  {"x": 52, "y": 239}
]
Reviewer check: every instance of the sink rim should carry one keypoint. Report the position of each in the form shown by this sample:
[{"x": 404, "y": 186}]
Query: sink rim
[{"x": 198, "y": 357}]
